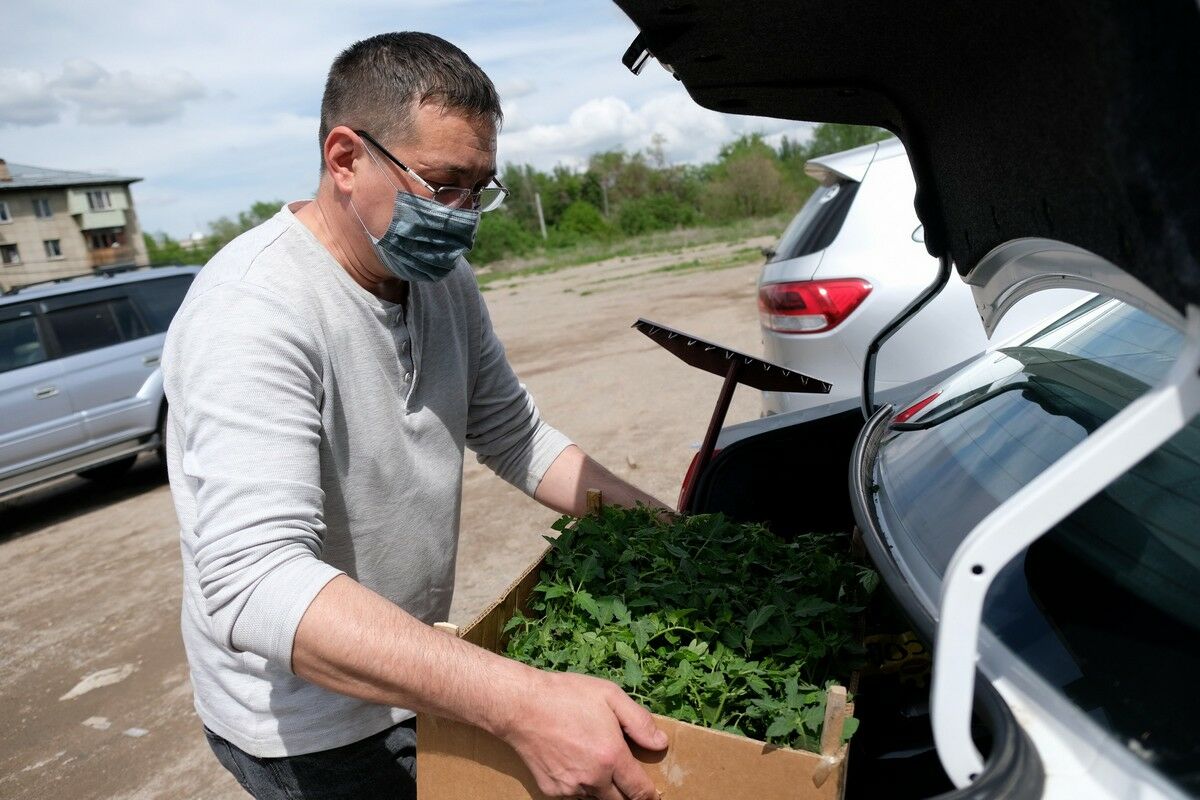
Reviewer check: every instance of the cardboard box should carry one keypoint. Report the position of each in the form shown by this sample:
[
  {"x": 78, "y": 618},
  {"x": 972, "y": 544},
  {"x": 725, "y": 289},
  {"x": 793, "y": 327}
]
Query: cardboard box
[{"x": 460, "y": 762}]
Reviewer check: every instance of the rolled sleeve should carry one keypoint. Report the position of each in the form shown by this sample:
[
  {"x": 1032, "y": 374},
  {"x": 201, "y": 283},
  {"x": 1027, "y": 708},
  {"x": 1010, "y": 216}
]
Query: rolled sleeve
[
  {"x": 504, "y": 427},
  {"x": 243, "y": 382}
]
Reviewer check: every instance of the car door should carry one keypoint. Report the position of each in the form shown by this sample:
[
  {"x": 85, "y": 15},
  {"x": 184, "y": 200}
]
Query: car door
[
  {"x": 108, "y": 358},
  {"x": 37, "y": 422}
]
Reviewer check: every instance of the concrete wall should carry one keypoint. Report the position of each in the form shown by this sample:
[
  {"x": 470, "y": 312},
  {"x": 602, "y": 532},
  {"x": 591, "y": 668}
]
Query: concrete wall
[{"x": 70, "y": 218}]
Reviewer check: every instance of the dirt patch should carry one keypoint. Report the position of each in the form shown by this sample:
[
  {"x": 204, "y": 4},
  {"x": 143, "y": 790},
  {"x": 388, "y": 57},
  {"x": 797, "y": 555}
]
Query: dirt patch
[{"x": 90, "y": 577}]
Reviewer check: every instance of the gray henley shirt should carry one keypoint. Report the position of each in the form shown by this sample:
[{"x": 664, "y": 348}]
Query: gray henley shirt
[{"x": 316, "y": 430}]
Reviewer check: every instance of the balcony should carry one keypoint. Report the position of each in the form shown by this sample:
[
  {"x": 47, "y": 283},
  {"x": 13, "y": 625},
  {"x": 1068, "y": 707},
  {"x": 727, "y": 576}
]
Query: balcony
[{"x": 103, "y": 257}]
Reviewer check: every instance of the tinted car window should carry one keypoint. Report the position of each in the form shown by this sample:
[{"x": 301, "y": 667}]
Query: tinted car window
[
  {"x": 94, "y": 325},
  {"x": 20, "y": 344},
  {"x": 1106, "y": 606},
  {"x": 818, "y": 223},
  {"x": 160, "y": 298}
]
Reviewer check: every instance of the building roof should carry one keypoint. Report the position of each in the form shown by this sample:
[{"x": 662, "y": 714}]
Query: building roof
[{"x": 28, "y": 177}]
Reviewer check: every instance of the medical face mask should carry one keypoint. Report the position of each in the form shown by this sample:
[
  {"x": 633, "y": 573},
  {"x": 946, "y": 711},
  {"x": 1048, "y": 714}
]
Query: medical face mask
[{"x": 426, "y": 239}]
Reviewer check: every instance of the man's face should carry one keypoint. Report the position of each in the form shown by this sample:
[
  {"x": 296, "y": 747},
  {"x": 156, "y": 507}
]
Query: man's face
[{"x": 444, "y": 147}]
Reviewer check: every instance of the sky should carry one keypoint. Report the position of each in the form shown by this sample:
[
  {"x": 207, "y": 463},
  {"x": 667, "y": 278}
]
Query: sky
[{"x": 215, "y": 104}]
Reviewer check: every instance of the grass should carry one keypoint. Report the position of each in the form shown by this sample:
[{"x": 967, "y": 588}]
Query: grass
[{"x": 675, "y": 241}]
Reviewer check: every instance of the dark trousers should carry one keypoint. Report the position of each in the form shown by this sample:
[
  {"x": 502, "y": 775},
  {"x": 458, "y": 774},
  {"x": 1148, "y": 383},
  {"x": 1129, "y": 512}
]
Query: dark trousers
[{"x": 382, "y": 766}]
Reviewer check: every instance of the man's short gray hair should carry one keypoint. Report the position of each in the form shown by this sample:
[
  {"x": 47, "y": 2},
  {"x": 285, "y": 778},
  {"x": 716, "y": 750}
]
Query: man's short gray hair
[{"x": 375, "y": 84}]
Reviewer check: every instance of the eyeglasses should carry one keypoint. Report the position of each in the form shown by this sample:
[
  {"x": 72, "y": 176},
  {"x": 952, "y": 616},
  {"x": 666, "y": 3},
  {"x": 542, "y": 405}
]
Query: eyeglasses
[{"x": 488, "y": 198}]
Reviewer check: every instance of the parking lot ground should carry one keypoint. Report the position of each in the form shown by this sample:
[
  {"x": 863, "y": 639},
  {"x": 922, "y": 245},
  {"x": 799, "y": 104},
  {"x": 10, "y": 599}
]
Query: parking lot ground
[{"x": 94, "y": 689}]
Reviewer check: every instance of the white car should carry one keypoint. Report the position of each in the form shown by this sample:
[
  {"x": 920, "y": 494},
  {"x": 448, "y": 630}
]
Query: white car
[{"x": 849, "y": 262}]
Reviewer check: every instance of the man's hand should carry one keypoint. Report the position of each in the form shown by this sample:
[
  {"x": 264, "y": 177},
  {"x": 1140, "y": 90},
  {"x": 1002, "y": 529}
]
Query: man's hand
[
  {"x": 571, "y": 734},
  {"x": 569, "y": 729}
]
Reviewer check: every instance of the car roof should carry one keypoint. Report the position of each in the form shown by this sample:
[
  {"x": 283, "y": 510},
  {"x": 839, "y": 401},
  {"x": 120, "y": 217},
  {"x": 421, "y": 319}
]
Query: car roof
[
  {"x": 91, "y": 281},
  {"x": 1058, "y": 119}
]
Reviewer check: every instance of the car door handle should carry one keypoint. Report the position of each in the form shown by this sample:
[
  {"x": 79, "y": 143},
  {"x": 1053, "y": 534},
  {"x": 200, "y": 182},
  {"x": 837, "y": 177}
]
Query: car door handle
[
  {"x": 150, "y": 360},
  {"x": 46, "y": 391}
]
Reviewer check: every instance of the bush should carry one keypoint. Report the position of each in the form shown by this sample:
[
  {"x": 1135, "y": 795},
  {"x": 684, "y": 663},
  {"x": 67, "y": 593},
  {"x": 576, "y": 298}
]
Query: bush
[
  {"x": 752, "y": 186},
  {"x": 580, "y": 221},
  {"x": 654, "y": 213},
  {"x": 499, "y": 236}
]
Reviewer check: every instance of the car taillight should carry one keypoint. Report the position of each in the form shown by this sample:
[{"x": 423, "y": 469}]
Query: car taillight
[
  {"x": 689, "y": 479},
  {"x": 810, "y": 306},
  {"x": 914, "y": 409}
]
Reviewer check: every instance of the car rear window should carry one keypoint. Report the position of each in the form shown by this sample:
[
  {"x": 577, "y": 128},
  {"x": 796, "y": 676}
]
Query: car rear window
[
  {"x": 1106, "y": 606},
  {"x": 818, "y": 223}
]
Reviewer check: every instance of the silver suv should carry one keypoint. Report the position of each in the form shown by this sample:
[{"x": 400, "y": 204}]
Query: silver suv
[{"x": 80, "y": 383}]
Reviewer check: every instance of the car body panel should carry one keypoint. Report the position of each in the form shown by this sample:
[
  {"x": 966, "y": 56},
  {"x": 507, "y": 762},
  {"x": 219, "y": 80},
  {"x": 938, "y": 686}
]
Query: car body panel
[
  {"x": 106, "y": 389},
  {"x": 876, "y": 243},
  {"x": 37, "y": 430},
  {"x": 995, "y": 447},
  {"x": 107, "y": 401}
]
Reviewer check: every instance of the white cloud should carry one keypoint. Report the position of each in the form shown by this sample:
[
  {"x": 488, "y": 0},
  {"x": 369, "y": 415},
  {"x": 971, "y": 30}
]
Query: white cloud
[
  {"x": 25, "y": 99},
  {"x": 688, "y": 133},
  {"x": 262, "y": 77},
  {"x": 100, "y": 97},
  {"x": 103, "y": 97},
  {"x": 516, "y": 87}
]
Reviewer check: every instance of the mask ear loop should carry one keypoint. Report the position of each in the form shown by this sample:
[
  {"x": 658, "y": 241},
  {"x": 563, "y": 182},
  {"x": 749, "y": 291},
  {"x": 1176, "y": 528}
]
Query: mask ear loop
[{"x": 354, "y": 208}]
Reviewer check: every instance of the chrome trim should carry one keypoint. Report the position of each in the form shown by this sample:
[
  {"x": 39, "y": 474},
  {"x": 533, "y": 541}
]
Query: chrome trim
[{"x": 33, "y": 478}]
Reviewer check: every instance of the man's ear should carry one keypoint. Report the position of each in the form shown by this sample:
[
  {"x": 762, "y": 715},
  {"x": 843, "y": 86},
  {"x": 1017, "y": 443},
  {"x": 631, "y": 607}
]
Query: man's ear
[{"x": 342, "y": 151}]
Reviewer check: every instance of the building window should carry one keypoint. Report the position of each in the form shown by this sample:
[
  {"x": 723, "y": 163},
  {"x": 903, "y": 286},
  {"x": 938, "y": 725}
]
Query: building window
[
  {"x": 9, "y": 256},
  {"x": 4, "y": 215},
  {"x": 99, "y": 240},
  {"x": 99, "y": 200},
  {"x": 53, "y": 248},
  {"x": 41, "y": 208}
]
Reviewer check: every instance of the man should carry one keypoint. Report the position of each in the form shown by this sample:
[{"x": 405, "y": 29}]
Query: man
[{"x": 324, "y": 374}]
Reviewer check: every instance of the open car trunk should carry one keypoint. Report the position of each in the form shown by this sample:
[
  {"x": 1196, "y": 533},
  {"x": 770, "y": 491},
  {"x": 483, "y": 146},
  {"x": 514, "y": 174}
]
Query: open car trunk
[{"x": 794, "y": 479}]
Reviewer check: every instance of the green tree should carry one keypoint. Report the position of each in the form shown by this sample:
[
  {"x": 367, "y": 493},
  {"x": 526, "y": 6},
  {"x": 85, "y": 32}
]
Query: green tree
[
  {"x": 832, "y": 137},
  {"x": 654, "y": 213},
  {"x": 224, "y": 230},
  {"x": 580, "y": 221},
  {"x": 750, "y": 184},
  {"x": 162, "y": 249},
  {"x": 501, "y": 235}
]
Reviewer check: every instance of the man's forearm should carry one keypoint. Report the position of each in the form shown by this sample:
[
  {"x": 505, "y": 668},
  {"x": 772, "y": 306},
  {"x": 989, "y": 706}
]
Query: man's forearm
[
  {"x": 354, "y": 642},
  {"x": 571, "y": 730},
  {"x": 564, "y": 486}
]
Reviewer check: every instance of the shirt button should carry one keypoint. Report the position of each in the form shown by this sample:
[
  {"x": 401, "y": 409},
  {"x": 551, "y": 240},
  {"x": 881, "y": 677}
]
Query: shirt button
[{"x": 407, "y": 377}]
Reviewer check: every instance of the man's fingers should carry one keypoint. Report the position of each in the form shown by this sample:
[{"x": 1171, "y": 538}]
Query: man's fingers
[
  {"x": 608, "y": 793},
  {"x": 630, "y": 777},
  {"x": 638, "y": 724}
]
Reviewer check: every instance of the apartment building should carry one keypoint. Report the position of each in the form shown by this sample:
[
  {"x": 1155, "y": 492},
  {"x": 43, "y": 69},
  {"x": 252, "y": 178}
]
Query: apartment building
[{"x": 55, "y": 224}]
